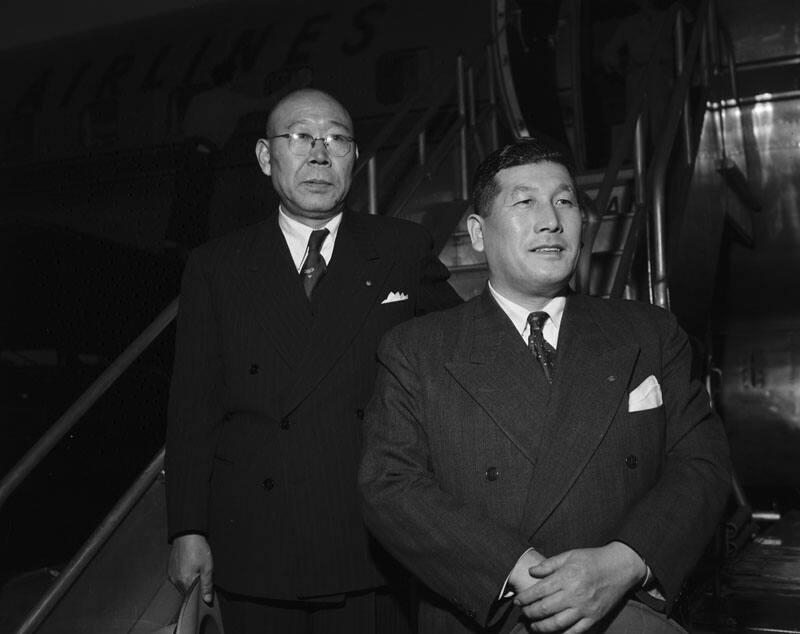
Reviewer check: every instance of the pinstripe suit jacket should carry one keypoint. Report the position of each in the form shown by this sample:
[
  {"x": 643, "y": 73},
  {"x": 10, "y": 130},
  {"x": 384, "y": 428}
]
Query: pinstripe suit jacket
[
  {"x": 267, "y": 398},
  {"x": 470, "y": 457}
]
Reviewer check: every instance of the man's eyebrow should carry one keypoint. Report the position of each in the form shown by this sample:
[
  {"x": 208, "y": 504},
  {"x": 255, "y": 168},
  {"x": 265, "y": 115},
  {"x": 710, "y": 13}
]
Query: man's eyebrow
[
  {"x": 522, "y": 189},
  {"x": 565, "y": 187}
]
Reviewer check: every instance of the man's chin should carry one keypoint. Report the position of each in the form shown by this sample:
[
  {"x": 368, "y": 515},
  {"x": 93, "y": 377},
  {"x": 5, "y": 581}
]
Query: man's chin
[{"x": 314, "y": 209}]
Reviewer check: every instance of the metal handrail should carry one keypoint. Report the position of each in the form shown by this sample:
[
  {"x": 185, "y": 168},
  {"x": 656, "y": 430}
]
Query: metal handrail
[
  {"x": 462, "y": 87},
  {"x": 99, "y": 387},
  {"x": 422, "y": 172},
  {"x": 89, "y": 550},
  {"x": 661, "y": 159},
  {"x": 403, "y": 111},
  {"x": 418, "y": 128},
  {"x": 631, "y": 130},
  {"x": 704, "y": 36},
  {"x": 624, "y": 141}
]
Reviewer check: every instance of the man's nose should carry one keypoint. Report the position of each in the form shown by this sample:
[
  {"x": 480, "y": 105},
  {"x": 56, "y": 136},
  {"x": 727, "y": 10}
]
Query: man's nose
[
  {"x": 547, "y": 219},
  {"x": 318, "y": 154}
]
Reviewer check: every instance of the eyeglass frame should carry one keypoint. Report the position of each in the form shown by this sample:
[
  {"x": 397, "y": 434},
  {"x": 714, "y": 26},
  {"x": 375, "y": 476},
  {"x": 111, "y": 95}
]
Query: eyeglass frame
[{"x": 294, "y": 136}]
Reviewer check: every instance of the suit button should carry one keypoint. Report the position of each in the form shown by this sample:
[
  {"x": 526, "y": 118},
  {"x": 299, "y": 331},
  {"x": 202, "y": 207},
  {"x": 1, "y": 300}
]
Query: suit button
[
  {"x": 268, "y": 484},
  {"x": 631, "y": 462},
  {"x": 254, "y": 368},
  {"x": 360, "y": 414},
  {"x": 286, "y": 423},
  {"x": 492, "y": 473}
]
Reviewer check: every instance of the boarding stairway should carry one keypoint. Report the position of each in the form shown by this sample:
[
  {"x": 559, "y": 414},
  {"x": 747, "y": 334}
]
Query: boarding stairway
[{"x": 416, "y": 166}]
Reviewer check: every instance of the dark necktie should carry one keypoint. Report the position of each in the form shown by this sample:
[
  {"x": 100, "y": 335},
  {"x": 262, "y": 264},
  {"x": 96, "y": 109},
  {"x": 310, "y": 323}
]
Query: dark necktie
[
  {"x": 314, "y": 265},
  {"x": 542, "y": 350}
]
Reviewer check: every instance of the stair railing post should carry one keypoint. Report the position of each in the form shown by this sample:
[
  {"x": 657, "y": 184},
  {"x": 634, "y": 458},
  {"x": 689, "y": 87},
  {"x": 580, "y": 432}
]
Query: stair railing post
[
  {"x": 421, "y": 147},
  {"x": 372, "y": 185},
  {"x": 471, "y": 93},
  {"x": 659, "y": 239},
  {"x": 680, "y": 49},
  {"x": 462, "y": 132},
  {"x": 493, "y": 133},
  {"x": 640, "y": 192},
  {"x": 713, "y": 36},
  {"x": 704, "y": 56}
]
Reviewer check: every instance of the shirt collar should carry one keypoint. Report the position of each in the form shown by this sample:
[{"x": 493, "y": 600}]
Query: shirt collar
[
  {"x": 519, "y": 316},
  {"x": 297, "y": 234}
]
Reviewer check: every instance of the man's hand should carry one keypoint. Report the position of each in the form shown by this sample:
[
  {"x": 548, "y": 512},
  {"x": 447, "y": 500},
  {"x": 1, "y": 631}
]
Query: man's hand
[
  {"x": 520, "y": 578},
  {"x": 579, "y": 587},
  {"x": 190, "y": 556}
]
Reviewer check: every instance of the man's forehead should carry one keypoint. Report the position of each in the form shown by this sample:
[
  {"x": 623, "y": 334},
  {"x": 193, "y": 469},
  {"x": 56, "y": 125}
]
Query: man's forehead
[
  {"x": 311, "y": 108},
  {"x": 533, "y": 176}
]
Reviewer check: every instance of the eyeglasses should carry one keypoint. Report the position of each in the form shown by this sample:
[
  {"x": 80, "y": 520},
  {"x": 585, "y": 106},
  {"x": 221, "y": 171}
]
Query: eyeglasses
[{"x": 301, "y": 143}]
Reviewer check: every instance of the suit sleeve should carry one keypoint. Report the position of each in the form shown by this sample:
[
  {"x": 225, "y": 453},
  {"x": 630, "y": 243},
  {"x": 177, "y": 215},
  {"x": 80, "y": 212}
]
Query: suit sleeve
[
  {"x": 458, "y": 552},
  {"x": 195, "y": 405},
  {"x": 671, "y": 525}
]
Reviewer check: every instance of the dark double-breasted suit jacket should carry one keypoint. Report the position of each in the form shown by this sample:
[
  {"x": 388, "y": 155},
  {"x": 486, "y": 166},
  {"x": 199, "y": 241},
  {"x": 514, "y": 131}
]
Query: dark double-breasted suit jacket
[
  {"x": 471, "y": 457},
  {"x": 267, "y": 397}
]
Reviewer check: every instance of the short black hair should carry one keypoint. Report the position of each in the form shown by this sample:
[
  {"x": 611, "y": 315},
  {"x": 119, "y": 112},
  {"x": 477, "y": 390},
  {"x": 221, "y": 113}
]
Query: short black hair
[{"x": 523, "y": 152}]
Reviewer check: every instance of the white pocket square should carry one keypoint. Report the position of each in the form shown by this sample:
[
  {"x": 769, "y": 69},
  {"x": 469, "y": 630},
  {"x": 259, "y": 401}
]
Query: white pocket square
[
  {"x": 395, "y": 296},
  {"x": 646, "y": 396}
]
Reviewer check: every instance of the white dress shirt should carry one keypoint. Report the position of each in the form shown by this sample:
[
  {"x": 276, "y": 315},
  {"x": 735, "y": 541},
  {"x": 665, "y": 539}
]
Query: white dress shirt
[
  {"x": 519, "y": 316},
  {"x": 297, "y": 234}
]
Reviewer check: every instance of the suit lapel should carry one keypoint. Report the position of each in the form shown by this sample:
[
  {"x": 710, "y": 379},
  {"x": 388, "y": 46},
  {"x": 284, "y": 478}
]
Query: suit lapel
[
  {"x": 271, "y": 286},
  {"x": 593, "y": 368},
  {"x": 499, "y": 373},
  {"x": 343, "y": 299}
]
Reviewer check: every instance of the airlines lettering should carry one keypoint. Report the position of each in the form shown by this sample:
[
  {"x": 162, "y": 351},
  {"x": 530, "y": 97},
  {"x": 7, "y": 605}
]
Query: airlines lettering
[
  {"x": 151, "y": 79},
  {"x": 243, "y": 55},
  {"x": 309, "y": 33},
  {"x": 364, "y": 23}
]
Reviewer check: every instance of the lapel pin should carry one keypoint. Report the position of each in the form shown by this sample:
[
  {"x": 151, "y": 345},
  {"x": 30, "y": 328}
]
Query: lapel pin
[
  {"x": 369, "y": 282},
  {"x": 611, "y": 379}
]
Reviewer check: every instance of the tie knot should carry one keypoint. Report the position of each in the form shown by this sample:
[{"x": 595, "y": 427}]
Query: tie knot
[
  {"x": 536, "y": 320},
  {"x": 316, "y": 239}
]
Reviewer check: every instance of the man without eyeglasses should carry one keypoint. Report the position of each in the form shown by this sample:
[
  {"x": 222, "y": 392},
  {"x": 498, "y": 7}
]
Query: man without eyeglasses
[
  {"x": 274, "y": 364},
  {"x": 543, "y": 461}
]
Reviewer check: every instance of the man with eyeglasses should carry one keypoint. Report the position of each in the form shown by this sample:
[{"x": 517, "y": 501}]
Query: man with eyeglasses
[{"x": 274, "y": 364}]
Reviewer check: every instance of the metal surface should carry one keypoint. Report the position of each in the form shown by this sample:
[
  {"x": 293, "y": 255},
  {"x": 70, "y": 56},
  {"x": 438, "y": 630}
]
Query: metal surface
[{"x": 759, "y": 326}]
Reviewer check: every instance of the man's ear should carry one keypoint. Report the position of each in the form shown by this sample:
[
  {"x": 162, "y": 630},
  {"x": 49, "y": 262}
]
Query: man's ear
[
  {"x": 263, "y": 156},
  {"x": 475, "y": 229}
]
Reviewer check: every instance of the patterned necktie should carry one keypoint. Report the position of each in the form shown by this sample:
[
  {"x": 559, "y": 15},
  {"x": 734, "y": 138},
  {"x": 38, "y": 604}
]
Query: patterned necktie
[
  {"x": 542, "y": 350},
  {"x": 314, "y": 265}
]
